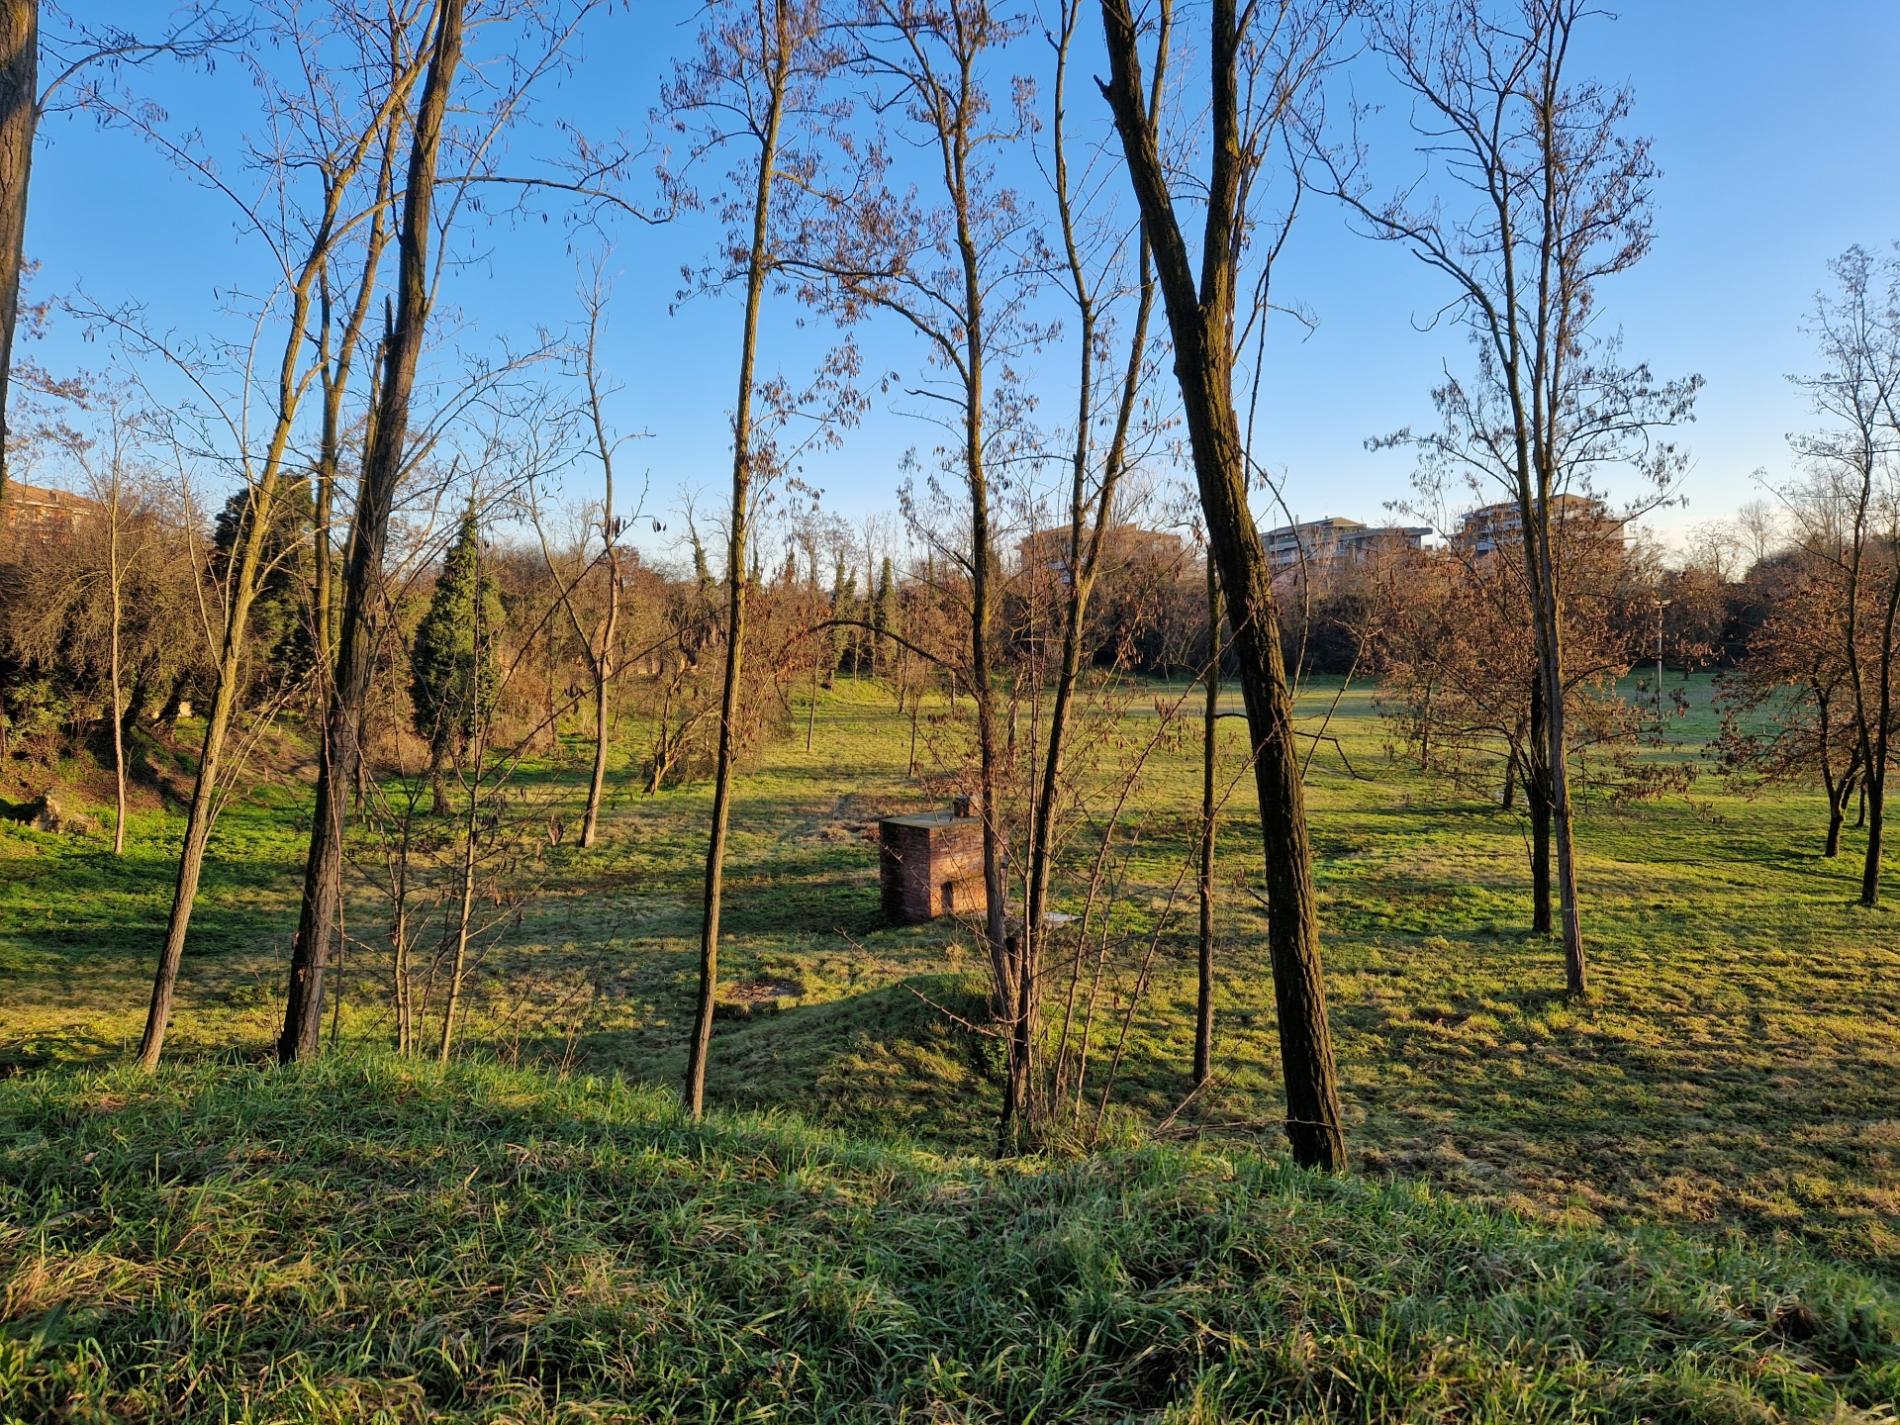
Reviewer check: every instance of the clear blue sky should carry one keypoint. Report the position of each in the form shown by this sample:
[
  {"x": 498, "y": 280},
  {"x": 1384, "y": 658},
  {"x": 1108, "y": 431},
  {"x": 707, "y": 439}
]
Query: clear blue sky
[{"x": 1775, "y": 126}]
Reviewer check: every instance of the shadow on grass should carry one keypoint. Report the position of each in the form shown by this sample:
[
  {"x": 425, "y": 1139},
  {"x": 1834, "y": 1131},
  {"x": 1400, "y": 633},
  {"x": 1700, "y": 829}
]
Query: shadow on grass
[
  {"x": 365, "y": 1238},
  {"x": 894, "y": 1059},
  {"x": 215, "y": 931}
]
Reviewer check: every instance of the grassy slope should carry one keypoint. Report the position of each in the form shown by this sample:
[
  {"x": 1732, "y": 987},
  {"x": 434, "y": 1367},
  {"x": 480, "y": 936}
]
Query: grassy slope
[
  {"x": 1738, "y": 1069},
  {"x": 367, "y": 1240}
]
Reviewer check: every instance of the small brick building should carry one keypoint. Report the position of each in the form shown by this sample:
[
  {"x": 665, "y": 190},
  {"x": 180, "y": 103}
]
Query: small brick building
[{"x": 930, "y": 864}]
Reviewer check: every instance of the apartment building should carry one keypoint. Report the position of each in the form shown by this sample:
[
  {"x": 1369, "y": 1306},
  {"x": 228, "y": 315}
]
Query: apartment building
[
  {"x": 1337, "y": 540},
  {"x": 1487, "y": 528}
]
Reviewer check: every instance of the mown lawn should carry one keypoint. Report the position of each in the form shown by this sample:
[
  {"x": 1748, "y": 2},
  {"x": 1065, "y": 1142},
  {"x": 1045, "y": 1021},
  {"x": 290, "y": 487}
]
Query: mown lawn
[{"x": 1735, "y": 1074}]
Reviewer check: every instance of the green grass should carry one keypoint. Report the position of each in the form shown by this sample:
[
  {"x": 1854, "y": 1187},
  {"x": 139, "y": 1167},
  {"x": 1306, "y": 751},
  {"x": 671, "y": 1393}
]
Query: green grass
[
  {"x": 1736, "y": 1073},
  {"x": 366, "y": 1239}
]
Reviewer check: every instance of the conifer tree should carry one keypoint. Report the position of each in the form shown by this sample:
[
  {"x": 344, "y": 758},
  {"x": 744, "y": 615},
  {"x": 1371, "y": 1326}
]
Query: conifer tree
[
  {"x": 453, "y": 675},
  {"x": 884, "y": 617},
  {"x": 844, "y": 601}
]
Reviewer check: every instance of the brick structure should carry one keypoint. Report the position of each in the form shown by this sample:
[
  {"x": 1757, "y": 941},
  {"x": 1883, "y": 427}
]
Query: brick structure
[
  {"x": 930, "y": 864},
  {"x": 36, "y": 516}
]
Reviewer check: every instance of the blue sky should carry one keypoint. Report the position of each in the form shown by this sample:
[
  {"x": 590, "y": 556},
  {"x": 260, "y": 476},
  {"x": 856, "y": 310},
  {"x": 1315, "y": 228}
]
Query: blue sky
[{"x": 1775, "y": 127}]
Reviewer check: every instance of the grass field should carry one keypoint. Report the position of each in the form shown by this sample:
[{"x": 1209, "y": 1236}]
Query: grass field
[
  {"x": 369, "y": 1240},
  {"x": 1731, "y": 1093}
]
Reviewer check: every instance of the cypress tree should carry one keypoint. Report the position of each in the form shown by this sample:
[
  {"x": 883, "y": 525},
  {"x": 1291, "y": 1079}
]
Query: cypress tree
[
  {"x": 844, "y": 599},
  {"x": 884, "y": 616},
  {"x": 453, "y": 675}
]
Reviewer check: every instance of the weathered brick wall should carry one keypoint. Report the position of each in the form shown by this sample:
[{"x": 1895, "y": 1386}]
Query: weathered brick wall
[{"x": 929, "y": 866}]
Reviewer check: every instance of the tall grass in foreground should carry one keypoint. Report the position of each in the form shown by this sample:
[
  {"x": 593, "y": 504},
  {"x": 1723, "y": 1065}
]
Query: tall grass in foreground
[{"x": 366, "y": 1239}]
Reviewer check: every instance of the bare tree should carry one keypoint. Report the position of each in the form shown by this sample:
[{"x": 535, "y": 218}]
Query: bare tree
[
  {"x": 756, "y": 80},
  {"x": 600, "y": 643},
  {"x": 1759, "y": 530},
  {"x": 1093, "y": 258},
  {"x": 1457, "y": 650},
  {"x": 383, "y": 465},
  {"x": 1850, "y": 517},
  {"x": 343, "y": 135},
  {"x": 548, "y": 31},
  {"x": 336, "y": 364},
  {"x": 1788, "y": 714},
  {"x": 956, "y": 272},
  {"x": 485, "y": 639},
  {"x": 1558, "y": 202},
  {"x": 603, "y": 646},
  {"x": 105, "y": 604},
  {"x": 124, "y": 549},
  {"x": 1274, "y": 62},
  {"x": 1210, "y": 825}
]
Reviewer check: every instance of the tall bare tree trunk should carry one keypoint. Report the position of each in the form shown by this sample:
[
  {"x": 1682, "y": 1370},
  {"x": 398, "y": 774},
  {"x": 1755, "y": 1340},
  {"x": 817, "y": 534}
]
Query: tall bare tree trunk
[
  {"x": 117, "y": 578},
  {"x": 1201, "y": 320},
  {"x": 1210, "y": 726},
  {"x": 1836, "y": 788},
  {"x": 1878, "y": 756},
  {"x": 1839, "y": 793},
  {"x": 1537, "y": 798},
  {"x": 246, "y": 571},
  {"x": 736, "y": 552},
  {"x": 382, "y": 470},
  {"x": 19, "y": 119},
  {"x": 399, "y": 949},
  {"x": 465, "y": 899},
  {"x": 204, "y": 791},
  {"x": 329, "y": 458},
  {"x": 600, "y": 650},
  {"x": 1013, "y": 993},
  {"x": 1872, "y": 782},
  {"x": 1876, "y": 803},
  {"x": 597, "y": 779},
  {"x": 1010, "y": 976},
  {"x": 1541, "y": 555},
  {"x": 334, "y": 373},
  {"x": 1537, "y": 795},
  {"x": 601, "y": 664},
  {"x": 1089, "y": 522}
]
